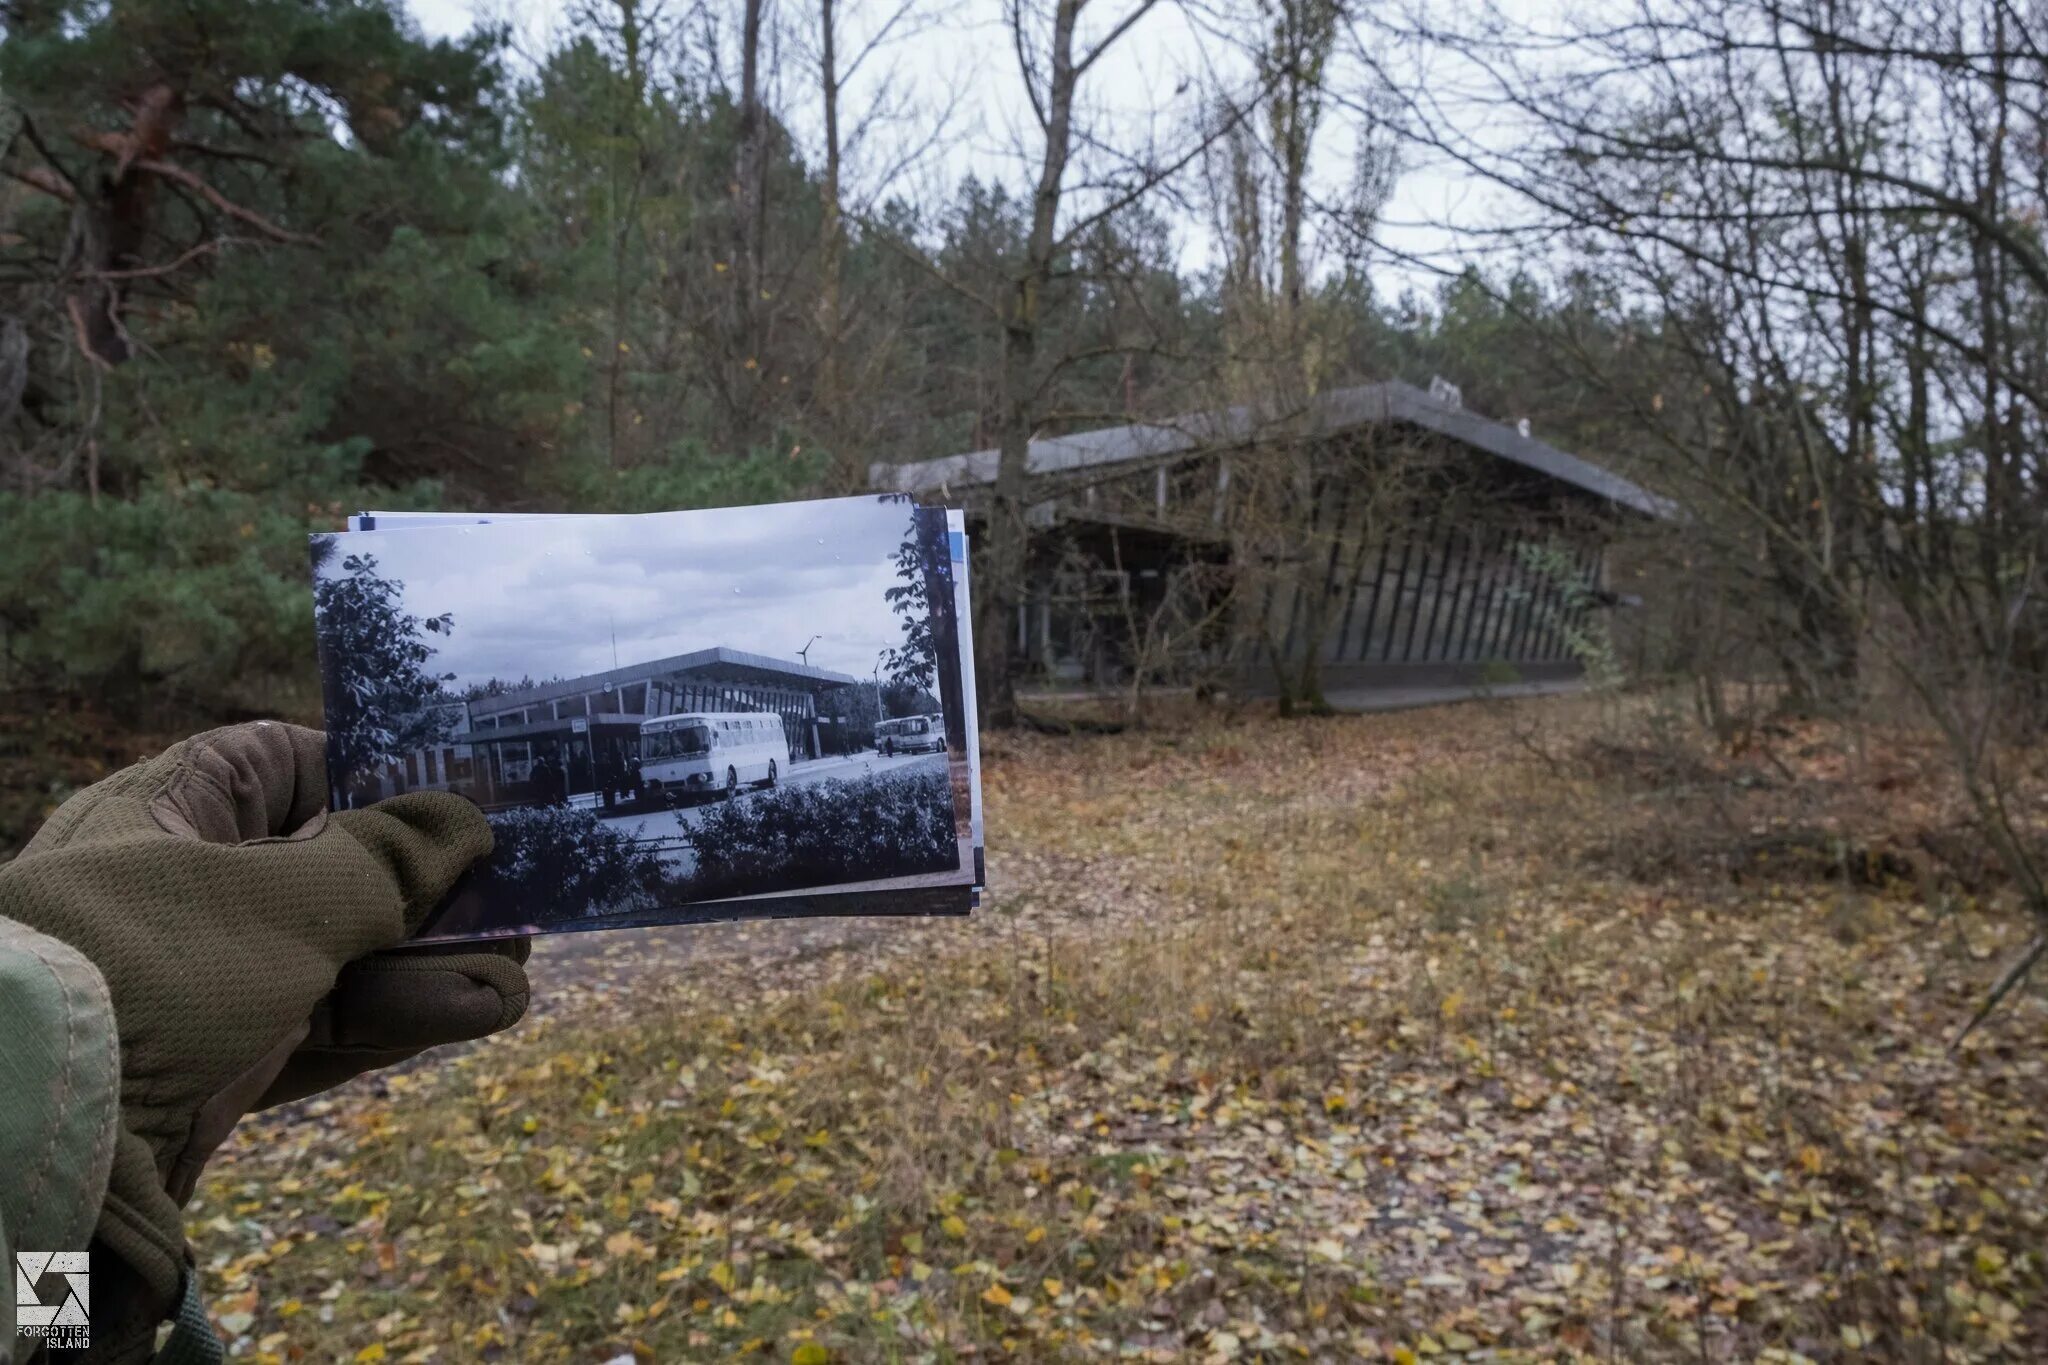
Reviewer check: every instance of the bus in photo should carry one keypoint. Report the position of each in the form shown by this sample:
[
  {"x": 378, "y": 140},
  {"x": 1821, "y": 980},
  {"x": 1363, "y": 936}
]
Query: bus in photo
[
  {"x": 911, "y": 735},
  {"x": 713, "y": 753}
]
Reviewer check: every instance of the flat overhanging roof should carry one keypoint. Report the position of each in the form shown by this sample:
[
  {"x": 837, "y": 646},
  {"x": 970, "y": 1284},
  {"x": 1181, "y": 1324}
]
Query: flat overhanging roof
[
  {"x": 717, "y": 664},
  {"x": 1326, "y": 414}
]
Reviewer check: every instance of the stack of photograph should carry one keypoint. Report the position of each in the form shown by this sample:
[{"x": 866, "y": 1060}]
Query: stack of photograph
[{"x": 668, "y": 718}]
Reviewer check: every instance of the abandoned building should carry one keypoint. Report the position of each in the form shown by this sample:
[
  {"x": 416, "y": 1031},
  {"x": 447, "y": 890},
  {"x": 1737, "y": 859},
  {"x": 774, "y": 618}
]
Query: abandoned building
[{"x": 1384, "y": 532}]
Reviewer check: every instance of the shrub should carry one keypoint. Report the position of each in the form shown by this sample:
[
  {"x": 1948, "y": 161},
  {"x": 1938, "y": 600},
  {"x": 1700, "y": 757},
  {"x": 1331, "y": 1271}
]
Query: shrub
[
  {"x": 553, "y": 863},
  {"x": 179, "y": 598},
  {"x": 887, "y": 825},
  {"x": 1498, "y": 673}
]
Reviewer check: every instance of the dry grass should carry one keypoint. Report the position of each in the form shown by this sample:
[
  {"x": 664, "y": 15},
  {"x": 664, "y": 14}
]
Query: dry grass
[{"x": 1345, "y": 1038}]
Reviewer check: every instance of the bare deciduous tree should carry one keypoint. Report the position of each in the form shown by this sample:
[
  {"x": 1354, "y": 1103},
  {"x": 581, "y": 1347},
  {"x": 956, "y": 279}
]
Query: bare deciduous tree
[
  {"x": 1823, "y": 223},
  {"x": 1056, "y": 60}
]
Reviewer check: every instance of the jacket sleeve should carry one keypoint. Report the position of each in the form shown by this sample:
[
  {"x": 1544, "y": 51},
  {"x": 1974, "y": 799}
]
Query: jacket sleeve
[{"x": 59, "y": 1101}]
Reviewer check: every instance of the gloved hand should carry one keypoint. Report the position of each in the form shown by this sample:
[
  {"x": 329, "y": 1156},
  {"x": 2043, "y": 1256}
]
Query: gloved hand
[{"x": 241, "y": 930}]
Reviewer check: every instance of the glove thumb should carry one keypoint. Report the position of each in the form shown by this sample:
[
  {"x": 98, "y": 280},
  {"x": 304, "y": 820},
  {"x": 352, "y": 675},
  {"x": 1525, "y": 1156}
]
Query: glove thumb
[{"x": 393, "y": 1005}]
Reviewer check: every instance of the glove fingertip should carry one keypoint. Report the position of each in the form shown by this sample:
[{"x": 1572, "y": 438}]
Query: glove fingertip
[
  {"x": 494, "y": 974},
  {"x": 512, "y": 1008}
]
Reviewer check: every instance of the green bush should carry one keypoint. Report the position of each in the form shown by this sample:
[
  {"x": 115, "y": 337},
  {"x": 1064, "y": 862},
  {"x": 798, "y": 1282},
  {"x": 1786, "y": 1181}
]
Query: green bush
[
  {"x": 193, "y": 594},
  {"x": 554, "y": 863},
  {"x": 820, "y": 833},
  {"x": 1498, "y": 673}
]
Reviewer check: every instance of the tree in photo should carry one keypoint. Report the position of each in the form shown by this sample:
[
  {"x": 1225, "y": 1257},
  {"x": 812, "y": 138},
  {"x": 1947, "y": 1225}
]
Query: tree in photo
[
  {"x": 902, "y": 697},
  {"x": 921, "y": 557},
  {"x": 820, "y": 833},
  {"x": 383, "y": 699}
]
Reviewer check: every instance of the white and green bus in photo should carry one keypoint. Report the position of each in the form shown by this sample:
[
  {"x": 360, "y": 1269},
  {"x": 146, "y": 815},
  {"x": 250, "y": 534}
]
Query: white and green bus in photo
[
  {"x": 911, "y": 735},
  {"x": 711, "y": 753}
]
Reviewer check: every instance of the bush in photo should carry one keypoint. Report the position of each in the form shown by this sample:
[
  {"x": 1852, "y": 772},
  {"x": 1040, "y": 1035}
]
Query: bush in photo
[
  {"x": 555, "y": 863},
  {"x": 886, "y": 825}
]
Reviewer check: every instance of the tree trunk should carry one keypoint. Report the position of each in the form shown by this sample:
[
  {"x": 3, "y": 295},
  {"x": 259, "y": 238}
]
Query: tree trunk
[
  {"x": 1008, "y": 536},
  {"x": 111, "y": 223},
  {"x": 831, "y": 224},
  {"x": 750, "y": 209},
  {"x": 625, "y": 208}
]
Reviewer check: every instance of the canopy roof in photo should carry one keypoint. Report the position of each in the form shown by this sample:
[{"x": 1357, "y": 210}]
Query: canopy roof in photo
[{"x": 718, "y": 664}]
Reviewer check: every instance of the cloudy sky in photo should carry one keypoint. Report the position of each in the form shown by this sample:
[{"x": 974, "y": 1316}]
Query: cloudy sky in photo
[{"x": 542, "y": 597}]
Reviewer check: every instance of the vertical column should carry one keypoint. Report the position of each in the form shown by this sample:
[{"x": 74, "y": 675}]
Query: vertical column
[
  {"x": 1500, "y": 609},
  {"x": 1540, "y": 586},
  {"x": 1446, "y": 586},
  {"x": 1515, "y": 647},
  {"x": 1482, "y": 598},
  {"x": 1351, "y": 597},
  {"x": 1543, "y": 624},
  {"x": 1549, "y": 634},
  {"x": 1555, "y": 646},
  {"x": 1394, "y": 605},
  {"x": 1328, "y": 587},
  {"x": 1415, "y": 614},
  {"x": 1459, "y": 628}
]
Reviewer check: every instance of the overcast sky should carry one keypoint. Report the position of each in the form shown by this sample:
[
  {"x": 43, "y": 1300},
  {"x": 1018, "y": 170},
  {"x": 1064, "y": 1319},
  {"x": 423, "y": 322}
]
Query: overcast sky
[
  {"x": 542, "y": 597},
  {"x": 963, "y": 63}
]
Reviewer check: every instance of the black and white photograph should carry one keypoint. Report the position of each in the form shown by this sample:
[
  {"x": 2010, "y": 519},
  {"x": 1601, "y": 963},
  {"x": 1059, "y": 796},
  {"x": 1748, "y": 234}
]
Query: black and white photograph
[
  {"x": 668, "y": 717},
  {"x": 963, "y": 618}
]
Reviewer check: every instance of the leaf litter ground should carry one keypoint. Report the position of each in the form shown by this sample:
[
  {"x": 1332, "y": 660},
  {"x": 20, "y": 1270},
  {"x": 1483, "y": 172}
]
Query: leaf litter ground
[{"x": 1381, "y": 1038}]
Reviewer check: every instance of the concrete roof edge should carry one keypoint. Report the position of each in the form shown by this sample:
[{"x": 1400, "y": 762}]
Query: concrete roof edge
[{"x": 1331, "y": 411}]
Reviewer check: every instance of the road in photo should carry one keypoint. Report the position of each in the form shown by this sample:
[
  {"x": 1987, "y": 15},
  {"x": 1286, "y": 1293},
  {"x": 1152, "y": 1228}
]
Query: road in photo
[{"x": 661, "y": 829}]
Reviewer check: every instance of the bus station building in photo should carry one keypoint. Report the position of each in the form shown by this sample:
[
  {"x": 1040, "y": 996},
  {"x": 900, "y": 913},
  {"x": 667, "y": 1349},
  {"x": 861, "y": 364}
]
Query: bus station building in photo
[{"x": 589, "y": 727}]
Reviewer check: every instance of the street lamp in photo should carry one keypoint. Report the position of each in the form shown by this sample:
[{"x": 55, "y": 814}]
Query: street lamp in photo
[{"x": 879, "y": 656}]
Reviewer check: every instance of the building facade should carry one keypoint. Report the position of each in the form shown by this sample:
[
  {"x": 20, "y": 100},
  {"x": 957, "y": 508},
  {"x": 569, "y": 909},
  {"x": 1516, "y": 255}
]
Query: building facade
[{"x": 585, "y": 732}]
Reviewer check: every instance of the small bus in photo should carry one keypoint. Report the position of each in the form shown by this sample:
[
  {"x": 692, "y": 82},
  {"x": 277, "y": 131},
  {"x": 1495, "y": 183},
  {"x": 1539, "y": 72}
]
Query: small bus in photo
[
  {"x": 911, "y": 735},
  {"x": 705, "y": 754}
]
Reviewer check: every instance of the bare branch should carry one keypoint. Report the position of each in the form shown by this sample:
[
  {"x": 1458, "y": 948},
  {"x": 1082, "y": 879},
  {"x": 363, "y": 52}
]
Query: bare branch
[{"x": 180, "y": 175}]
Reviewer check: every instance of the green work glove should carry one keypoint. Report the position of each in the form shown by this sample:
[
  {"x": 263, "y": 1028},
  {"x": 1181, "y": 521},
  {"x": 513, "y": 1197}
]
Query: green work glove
[{"x": 242, "y": 929}]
